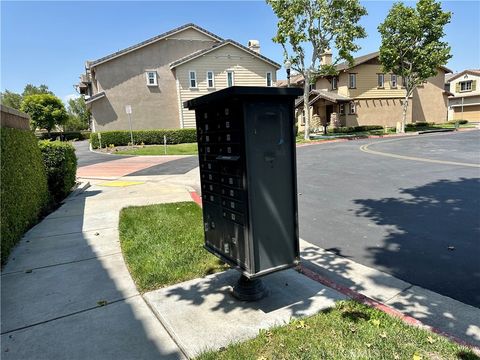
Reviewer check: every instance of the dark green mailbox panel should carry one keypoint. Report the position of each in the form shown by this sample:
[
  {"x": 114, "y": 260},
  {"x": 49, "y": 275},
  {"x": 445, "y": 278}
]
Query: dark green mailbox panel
[{"x": 246, "y": 147}]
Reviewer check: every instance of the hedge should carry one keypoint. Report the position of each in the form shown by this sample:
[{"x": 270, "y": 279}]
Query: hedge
[
  {"x": 148, "y": 137},
  {"x": 352, "y": 129},
  {"x": 24, "y": 190},
  {"x": 64, "y": 136},
  {"x": 61, "y": 166}
]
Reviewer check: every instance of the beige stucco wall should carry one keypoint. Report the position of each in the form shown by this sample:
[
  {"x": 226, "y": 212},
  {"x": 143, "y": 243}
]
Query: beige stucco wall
[
  {"x": 384, "y": 112},
  {"x": 248, "y": 70},
  {"x": 124, "y": 81},
  {"x": 429, "y": 102}
]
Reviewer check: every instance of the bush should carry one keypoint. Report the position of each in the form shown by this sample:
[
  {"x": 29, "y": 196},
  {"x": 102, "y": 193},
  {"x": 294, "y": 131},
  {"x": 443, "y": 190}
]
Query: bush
[
  {"x": 61, "y": 166},
  {"x": 24, "y": 191},
  {"x": 368, "y": 127},
  {"x": 148, "y": 137},
  {"x": 460, "y": 122},
  {"x": 64, "y": 136}
]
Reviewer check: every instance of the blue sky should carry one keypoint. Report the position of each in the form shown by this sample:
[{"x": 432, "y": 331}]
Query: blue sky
[{"x": 49, "y": 42}]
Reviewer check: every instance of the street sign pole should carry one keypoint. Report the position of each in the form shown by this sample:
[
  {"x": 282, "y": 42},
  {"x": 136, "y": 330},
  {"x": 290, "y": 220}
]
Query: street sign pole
[{"x": 128, "y": 110}]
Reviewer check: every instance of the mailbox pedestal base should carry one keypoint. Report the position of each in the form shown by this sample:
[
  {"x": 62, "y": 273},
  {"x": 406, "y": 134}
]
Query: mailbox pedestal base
[{"x": 250, "y": 289}]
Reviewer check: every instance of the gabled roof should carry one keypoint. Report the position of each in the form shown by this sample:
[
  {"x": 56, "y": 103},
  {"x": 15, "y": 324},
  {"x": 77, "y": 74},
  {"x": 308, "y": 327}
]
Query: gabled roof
[
  {"x": 218, "y": 46},
  {"x": 468, "y": 71},
  {"x": 151, "y": 41},
  {"x": 327, "y": 95}
]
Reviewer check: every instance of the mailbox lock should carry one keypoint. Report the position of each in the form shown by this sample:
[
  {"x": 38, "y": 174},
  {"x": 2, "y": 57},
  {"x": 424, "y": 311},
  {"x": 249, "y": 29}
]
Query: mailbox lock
[
  {"x": 226, "y": 248},
  {"x": 206, "y": 226},
  {"x": 213, "y": 225}
]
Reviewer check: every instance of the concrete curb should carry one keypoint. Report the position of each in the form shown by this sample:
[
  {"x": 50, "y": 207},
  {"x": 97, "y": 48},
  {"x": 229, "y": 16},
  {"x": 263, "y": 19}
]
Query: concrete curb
[
  {"x": 409, "y": 320},
  {"x": 79, "y": 188}
]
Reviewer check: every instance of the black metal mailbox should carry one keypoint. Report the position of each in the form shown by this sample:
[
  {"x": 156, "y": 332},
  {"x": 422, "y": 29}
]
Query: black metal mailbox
[{"x": 246, "y": 147}]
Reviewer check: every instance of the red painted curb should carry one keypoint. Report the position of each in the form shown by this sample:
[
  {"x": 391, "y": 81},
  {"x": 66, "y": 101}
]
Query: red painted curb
[
  {"x": 382, "y": 307},
  {"x": 195, "y": 197}
]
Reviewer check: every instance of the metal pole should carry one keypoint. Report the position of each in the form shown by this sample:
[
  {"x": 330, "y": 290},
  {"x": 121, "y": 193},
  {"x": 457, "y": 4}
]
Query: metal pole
[
  {"x": 462, "y": 108},
  {"x": 131, "y": 133},
  {"x": 165, "y": 143}
]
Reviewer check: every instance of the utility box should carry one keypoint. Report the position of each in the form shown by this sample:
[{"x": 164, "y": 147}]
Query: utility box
[{"x": 246, "y": 147}]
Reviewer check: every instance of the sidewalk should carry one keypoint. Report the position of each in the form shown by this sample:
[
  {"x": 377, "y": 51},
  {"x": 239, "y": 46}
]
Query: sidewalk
[{"x": 66, "y": 291}]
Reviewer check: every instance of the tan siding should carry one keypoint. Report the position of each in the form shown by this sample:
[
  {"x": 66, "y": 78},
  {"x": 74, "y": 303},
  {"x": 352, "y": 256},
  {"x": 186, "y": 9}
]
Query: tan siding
[
  {"x": 470, "y": 113},
  {"x": 248, "y": 70},
  {"x": 453, "y": 85}
]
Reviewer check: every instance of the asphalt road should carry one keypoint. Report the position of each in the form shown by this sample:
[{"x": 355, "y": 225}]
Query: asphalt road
[
  {"x": 416, "y": 220},
  {"x": 86, "y": 157}
]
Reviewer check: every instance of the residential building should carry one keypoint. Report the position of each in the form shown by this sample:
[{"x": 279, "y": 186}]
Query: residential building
[
  {"x": 156, "y": 76},
  {"x": 464, "y": 103},
  {"x": 363, "y": 94}
]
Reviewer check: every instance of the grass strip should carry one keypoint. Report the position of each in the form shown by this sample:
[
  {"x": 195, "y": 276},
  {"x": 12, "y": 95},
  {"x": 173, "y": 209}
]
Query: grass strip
[
  {"x": 163, "y": 244},
  {"x": 348, "y": 331},
  {"x": 177, "y": 149}
]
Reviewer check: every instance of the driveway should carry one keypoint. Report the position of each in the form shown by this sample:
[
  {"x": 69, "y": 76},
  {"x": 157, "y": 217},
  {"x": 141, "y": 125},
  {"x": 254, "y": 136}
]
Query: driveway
[{"x": 386, "y": 208}]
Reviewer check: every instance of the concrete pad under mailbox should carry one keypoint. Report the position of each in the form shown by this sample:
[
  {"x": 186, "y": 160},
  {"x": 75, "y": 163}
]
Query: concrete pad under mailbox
[{"x": 202, "y": 314}]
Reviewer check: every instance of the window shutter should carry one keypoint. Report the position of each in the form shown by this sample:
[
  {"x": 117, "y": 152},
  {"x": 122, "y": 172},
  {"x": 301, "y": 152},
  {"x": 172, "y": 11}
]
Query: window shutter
[
  {"x": 457, "y": 87},
  {"x": 474, "y": 85}
]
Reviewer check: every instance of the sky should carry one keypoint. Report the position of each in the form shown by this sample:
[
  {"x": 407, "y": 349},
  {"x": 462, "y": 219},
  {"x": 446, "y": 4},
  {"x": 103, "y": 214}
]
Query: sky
[{"x": 49, "y": 42}]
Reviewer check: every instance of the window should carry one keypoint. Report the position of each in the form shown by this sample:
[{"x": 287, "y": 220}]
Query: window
[
  {"x": 193, "y": 79},
  {"x": 380, "y": 80},
  {"x": 341, "y": 109},
  {"x": 352, "y": 107},
  {"x": 334, "y": 83},
  {"x": 210, "y": 80},
  {"x": 151, "y": 78},
  {"x": 404, "y": 81},
  {"x": 393, "y": 81},
  {"x": 466, "y": 86},
  {"x": 230, "y": 79},
  {"x": 312, "y": 87},
  {"x": 352, "y": 81},
  {"x": 269, "y": 79}
]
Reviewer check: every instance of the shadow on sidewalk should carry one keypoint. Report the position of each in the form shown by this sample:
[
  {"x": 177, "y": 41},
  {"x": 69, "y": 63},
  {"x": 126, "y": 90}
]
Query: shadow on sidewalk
[{"x": 66, "y": 292}]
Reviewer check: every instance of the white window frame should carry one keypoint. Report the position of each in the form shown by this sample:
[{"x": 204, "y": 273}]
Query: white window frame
[
  {"x": 352, "y": 84},
  {"x": 147, "y": 75},
  {"x": 233, "y": 78},
  {"x": 190, "y": 79},
  {"x": 352, "y": 108},
  {"x": 381, "y": 80},
  {"x": 468, "y": 85},
  {"x": 334, "y": 83},
  {"x": 341, "y": 109},
  {"x": 269, "y": 79},
  {"x": 212, "y": 79}
]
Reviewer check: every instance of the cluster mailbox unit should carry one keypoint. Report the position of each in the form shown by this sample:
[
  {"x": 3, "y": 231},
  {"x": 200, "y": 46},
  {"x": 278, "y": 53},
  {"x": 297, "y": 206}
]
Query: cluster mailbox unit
[{"x": 246, "y": 147}]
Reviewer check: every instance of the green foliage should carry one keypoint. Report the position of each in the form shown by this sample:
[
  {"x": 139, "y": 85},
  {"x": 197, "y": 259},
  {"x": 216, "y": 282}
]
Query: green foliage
[
  {"x": 11, "y": 99},
  {"x": 45, "y": 110},
  {"x": 317, "y": 24},
  {"x": 35, "y": 90},
  {"x": 353, "y": 129},
  {"x": 24, "y": 191},
  {"x": 148, "y": 137},
  {"x": 61, "y": 166},
  {"x": 412, "y": 45},
  {"x": 78, "y": 115},
  {"x": 64, "y": 136},
  {"x": 460, "y": 122}
]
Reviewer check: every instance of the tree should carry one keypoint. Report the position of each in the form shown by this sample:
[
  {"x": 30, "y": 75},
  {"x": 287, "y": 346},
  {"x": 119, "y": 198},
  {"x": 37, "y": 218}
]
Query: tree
[
  {"x": 78, "y": 115},
  {"x": 45, "y": 110},
  {"x": 317, "y": 24},
  {"x": 33, "y": 90},
  {"x": 11, "y": 99},
  {"x": 412, "y": 45}
]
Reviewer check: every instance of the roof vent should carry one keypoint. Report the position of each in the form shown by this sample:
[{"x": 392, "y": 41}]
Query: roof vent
[{"x": 254, "y": 45}]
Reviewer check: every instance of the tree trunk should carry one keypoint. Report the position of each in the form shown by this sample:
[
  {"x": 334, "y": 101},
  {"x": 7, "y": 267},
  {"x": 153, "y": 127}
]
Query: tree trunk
[
  {"x": 404, "y": 114},
  {"x": 306, "y": 106}
]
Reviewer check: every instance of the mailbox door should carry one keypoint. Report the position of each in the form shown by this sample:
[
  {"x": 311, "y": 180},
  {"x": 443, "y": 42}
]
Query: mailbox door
[{"x": 272, "y": 182}]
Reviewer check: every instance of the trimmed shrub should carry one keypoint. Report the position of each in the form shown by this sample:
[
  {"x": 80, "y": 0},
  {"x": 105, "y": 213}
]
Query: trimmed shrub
[
  {"x": 64, "y": 136},
  {"x": 61, "y": 167},
  {"x": 24, "y": 190},
  {"x": 148, "y": 137},
  {"x": 368, "y": 127},
  {"x": 460, "y": 122}
]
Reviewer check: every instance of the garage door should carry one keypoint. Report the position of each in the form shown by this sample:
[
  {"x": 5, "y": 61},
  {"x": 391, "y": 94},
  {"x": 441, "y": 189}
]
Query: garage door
[{"x": 470, "y": 113}]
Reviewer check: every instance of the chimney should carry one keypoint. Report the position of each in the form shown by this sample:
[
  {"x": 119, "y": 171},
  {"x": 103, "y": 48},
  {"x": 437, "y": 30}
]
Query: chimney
[
  {"x": 254, "y": 45},
  {"x": 326, "y": 58}
]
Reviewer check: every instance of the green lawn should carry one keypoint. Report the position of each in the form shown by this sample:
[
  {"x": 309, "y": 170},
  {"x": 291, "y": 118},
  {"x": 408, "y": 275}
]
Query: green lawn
[
  {"x": 163, "y": 244},
  {"x": 177, "y": 149},
  {"x": 349, "y": 331}
]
